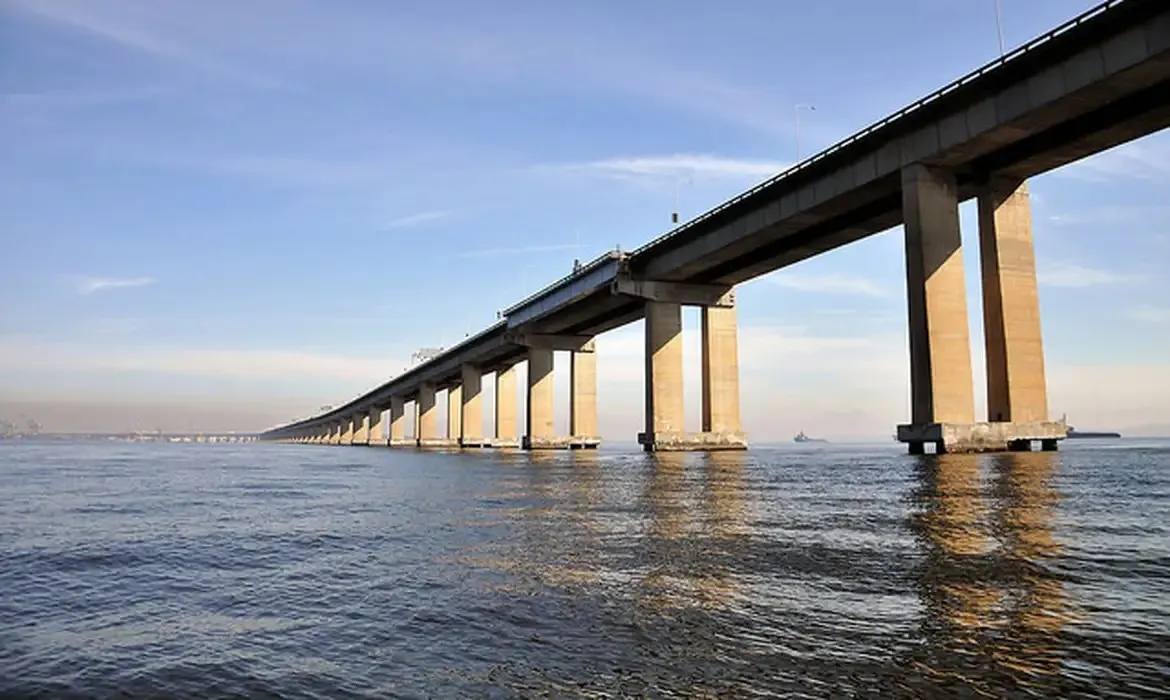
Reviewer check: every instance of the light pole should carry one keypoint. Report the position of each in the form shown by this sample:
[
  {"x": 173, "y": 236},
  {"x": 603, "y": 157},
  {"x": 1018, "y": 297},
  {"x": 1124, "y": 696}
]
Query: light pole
[
  {"x": 799, "y": 107},
  {"x": 999, "y": 27}
]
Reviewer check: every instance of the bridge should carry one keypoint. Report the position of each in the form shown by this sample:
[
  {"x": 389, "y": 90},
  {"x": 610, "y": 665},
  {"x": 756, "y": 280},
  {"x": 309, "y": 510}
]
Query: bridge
[{"x": 1100, "y": 80}]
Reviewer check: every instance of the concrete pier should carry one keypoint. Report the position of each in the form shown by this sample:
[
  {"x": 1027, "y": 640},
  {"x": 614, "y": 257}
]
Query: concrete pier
[
  {"x": 374, "y": 427},
  {"x": 507, "y": 433},
  {"x": 539, "y": 431},
  {"x": 361, "y": 430},
  {"x": 427, "y": 430},
  {"x": 583, "y": 399},
  {"x": 397, "y": 437},
  {"x": 665, "y": 409},
  {"x": 942, "y": 397},
  {"x": 471, "y": 409}
]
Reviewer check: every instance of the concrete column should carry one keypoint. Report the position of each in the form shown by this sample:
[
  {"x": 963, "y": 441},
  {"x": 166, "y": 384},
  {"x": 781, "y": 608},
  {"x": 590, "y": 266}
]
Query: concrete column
[
  {"x": 472, "y": 422},
  {"x": 427, "y": 415},
  {"x": 539, "y": 420},
  {"x": 454, "y": 412},
  {"x": 720, "y": 369},
  {"x": 346, "y": 431},
  {"x": 397, "y": 420},
  {"x": 664, "y": 369},
  {"x": 1016, "y": 385},
  {"x": 361, "y": 430},
  {"x": 374, "y": 426},
  {"x": 583, "y": 394},
  {"x": 940, "y": 344},
  {"x": 506, "y": 427},
  {"x": 335, "y": 432}
]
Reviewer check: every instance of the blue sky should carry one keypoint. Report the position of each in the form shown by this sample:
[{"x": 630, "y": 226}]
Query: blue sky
[{"x": 272, "y": 203}]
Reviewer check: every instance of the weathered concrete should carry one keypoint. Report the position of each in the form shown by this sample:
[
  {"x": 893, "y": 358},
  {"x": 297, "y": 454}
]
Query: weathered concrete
[
  {"x": 335, "y": 433},
  {"x": 982, "y": 437},
  {"x": 583, "y": 397},
  {"x": 426, "y": 416},
  {"x": 454, "y": 412},
  {"x": 361, "y": 430},
  {"x": 940, "y": 344},
  {"x": 664, "y": 372},
  {"x": 679, "y": 441},
  {"x": 471, "y": 434},
  {"x": 720, "y": 373},
  {"x": 374, "y": 427},
  {"x": 397, "y": 434},
  {"x": 506, "y": 429},
  {"x": 561, "y": 442},
  {"x": 538, "y": 424},
  {"x": 1016, "y": 384}
]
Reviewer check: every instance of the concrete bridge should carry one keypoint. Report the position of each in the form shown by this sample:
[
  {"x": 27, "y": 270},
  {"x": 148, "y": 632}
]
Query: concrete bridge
[{"x": 1096, "y": 82}]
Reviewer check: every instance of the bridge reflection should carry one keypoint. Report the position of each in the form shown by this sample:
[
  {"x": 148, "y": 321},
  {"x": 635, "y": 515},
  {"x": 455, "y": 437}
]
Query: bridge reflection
[{"x": 994, "y": 604}]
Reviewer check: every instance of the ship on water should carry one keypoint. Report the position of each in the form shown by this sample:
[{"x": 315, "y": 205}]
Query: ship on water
[
  {"x": 1073, "y": 433},
  {"x": 801, "y": 437}
]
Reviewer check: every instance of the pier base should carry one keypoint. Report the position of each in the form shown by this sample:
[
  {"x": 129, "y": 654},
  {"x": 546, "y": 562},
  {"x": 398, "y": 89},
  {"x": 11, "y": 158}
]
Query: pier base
[
  {"x": 982, "y": 437},
  {"x": 439, "y": 443},
  {"x": 504, "y": 443},
  {"x": 402, "y": 442},
  {"x": 692, "y": 442},
  {"x": 474, "y": 443},
  {"x": 567, "y": 442}
]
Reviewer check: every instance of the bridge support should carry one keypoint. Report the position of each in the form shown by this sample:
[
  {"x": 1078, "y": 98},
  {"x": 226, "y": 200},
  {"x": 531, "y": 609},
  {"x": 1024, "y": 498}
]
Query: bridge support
[
  {"x": 427, "y": 427},
  {"x": 583, "y": 399},
  {"x": 506, "y": 429},
  {"x": 374, "y": 427},
  {"x": 942, "y": 397},
  {"x": 665, "y": 410},
  {"x": 471, "y": 410},
  {"x": 361, "y": 430},
  {"x": 397, "y": 436}
]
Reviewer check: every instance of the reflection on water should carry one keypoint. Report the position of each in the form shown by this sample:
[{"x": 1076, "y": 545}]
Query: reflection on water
[
  {"x": 831, "y": 572},
  {"x": 994, "y": 607}
]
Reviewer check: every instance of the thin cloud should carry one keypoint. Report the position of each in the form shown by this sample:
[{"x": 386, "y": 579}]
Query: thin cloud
[
  {"x": 91, "y": 285},
  {"x": 1150, "y": 314},
  {"x": 829, "y": 284},
  {"x": 1147, "y": 159},
  {"x": 679, "y": 165},
  {"x": 519, "y": 250},
  {"x": 419, "y": 219},
  {"x": 1075, "y": 276}
]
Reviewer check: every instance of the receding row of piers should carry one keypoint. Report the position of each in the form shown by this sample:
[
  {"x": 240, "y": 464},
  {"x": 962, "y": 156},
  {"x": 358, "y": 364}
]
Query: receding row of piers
[
  {"x": 941, "y": 378},
  {"x": 664, "y": 391}
]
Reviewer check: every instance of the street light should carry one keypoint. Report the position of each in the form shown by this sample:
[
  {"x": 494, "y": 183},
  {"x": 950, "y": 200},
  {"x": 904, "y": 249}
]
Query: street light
[
  {"x": 799, "y": 107},
  {"x": 999, "y": 28}
]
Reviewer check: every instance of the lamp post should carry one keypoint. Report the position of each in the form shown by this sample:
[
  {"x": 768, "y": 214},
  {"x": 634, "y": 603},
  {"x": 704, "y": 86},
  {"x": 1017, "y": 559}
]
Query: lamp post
[
  {"x": 799, "y": 107},
  {"x": 999, "y": 27}
]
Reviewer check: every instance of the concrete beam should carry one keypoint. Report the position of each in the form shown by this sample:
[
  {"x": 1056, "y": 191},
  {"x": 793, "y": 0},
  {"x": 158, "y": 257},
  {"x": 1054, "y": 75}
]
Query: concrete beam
[
  {"x": 719, "y": 295},
  {"x": 551, "y": 341}
]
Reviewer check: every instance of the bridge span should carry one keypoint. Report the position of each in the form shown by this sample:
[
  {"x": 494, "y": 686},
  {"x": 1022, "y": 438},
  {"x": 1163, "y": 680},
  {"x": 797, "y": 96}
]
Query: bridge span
[{"x": 1098, "y": 81}]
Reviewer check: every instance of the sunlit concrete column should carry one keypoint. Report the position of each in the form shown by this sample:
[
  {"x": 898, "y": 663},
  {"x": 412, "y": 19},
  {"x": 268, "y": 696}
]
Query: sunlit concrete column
[
  {"x": 664, "y": 373},
  {"x": 454, "y": 412},
  {"x": 720, "y": 372},
  {"x": 335, "y": 432},
  {"x": 471, "y": 434},
  {"x": 506, "y": 428},
  {"x": 361, "y": 430},
  {"x": 427, "y": 432},
  {"x": 398, "y": 422},
  {"x": 538, "y": 423},
  {"x": 583, "y": 394},
  {"x": 940, "y": 344},
  {"x": 347, "y": 431},
  {"x": 374, "y": 426},
  {"x": 1016, "y": 385}
]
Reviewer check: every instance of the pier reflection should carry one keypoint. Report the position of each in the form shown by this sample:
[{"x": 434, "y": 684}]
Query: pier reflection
[{"x": 993, "y": 605}]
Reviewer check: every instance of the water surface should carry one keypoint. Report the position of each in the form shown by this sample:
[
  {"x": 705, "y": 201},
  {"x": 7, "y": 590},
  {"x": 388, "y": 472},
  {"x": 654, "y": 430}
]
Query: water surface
[{"x": 139, "y": 570}]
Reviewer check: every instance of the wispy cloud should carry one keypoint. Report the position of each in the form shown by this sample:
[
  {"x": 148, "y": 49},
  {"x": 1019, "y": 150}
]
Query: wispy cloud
[
  {"x": 85, "y": 284},
  {"x": 829, "y": 283},
  {"x": 519, "y": 250},
  {"x": 419, "y": 219},
  {"x": 677, "y": 166},
  {"x": 1075, "y": 276},
  {"x": 1150, "y": 314},
  {"x": 1146, "y": 159}
]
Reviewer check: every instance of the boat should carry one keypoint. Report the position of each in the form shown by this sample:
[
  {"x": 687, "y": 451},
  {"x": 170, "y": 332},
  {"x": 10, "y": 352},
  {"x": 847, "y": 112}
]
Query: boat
[
  {"x": 1074, "y": 434},
  {"x": 801, "y": 437}
]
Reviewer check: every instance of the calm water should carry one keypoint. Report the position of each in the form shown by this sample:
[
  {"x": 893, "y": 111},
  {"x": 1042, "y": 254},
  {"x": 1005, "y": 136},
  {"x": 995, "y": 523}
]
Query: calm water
[{"x": 303, "y": 571}]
